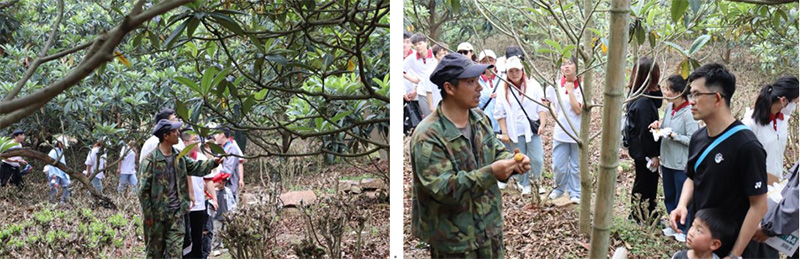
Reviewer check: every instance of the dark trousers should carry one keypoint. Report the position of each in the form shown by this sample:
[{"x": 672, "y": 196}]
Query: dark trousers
[
  {"x": 411, "y": 115},
  {"x": 673, "y": 186},
  {"x": 645, "y": 185},
  {"x": 197, "y": 222},
  {"x": 8, "y": 172}
]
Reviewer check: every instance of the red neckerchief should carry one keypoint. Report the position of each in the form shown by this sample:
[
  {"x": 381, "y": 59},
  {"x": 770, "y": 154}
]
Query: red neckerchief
[
  {"x": 774, "y": 118},
  {"x": 430, "y": 55},
  {"x": 489, "y": 79},
  {"x": 407, "y": 54},
  {"x": 193, "y": 154},
  {"x": 679, "y": 107},
  {"x": 564, "y": 81}
]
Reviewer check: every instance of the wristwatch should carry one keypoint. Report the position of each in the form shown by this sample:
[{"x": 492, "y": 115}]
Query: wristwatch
[{"x": 734, "y": 256}]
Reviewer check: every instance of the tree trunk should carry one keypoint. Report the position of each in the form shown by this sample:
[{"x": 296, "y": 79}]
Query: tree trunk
[
  {"x": 586, "y": 119},
  {"x": 612, "y": 105}
]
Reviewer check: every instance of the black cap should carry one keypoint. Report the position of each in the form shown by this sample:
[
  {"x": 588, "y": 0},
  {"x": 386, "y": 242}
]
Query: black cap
[
  {"x": 456, "y": 66},
  {"x": 165, "y": 125},
  {"x": 17, "y": 132}
]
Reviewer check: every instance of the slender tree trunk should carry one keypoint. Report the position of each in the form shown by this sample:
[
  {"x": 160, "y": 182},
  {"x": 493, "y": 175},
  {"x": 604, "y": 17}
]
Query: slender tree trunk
[
  {"x": 612, "y": 105},
  {"x": 586, "y": 118}
]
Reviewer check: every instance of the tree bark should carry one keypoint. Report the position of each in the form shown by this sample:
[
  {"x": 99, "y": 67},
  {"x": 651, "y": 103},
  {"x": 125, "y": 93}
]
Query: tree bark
[
  {"x": 586, "y": 118},
  {"x": 612, "y": 105}
]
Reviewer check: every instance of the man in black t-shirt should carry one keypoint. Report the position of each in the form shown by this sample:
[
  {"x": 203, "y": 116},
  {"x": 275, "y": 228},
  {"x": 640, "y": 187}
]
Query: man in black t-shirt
[{"x": 727, "y": 165}]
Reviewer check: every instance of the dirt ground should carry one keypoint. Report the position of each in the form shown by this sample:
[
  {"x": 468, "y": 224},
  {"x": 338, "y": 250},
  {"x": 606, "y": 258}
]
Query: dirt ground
[
  {"x": 552, "y": 232},
  {"x": 33, "y": 227}
]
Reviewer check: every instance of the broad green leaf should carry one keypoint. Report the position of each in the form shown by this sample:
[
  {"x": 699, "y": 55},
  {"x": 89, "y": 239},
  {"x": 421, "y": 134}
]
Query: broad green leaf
[
  {"x": 181, "y": 110},
  {"x": 216, "y": 149},
  {"x": 340, "y": 115},
  {"x": 185, "y": 151},
  {"x": 172, "y": 36},
  {"x": 595, "y": 31},
  {"x": 676, "y": 47},
  {"x": 699, "y": 43},
  {"x": 227, "y": 22},
  {"x": 684, "y": 68},
  {"x": 191, "y": 84},
  {"x": 261, "y": 94},
  {"x": 248, "y": 104},
  {"x": 640, "y": 34},
  {"x": 191, "y": 27},
  {"x": 695, "y": 4},
  {"x": 677, "y": 9},
  {"x": 553, "y": 44}
]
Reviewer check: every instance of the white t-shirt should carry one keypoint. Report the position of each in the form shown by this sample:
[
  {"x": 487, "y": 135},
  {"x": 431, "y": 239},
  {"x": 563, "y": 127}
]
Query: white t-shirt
[
  {"x": 564, "y": 111},
  {"x": 773, "y": 141},
  {"x": 92, "y": 160},
  {"x": 421, "y": 68},
  {"x": 15, "y": 158},
  {"x": 199, "y": 186},
  {"x": 516, "y": 122},
  {"x": 128, "y": 165},
  {"x": 151, "y": 143},
  {"x": 408, "y": 85}
]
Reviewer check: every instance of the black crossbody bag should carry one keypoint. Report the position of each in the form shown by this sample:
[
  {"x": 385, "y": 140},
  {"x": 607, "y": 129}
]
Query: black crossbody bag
[{"x": 533, "y": 123}]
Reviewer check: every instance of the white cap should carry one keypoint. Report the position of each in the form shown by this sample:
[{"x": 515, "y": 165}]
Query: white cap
[
  {"x": 513, "y": 62},
  {"x": 464, "y": 46},
  {"x": 486, "y": 53}
]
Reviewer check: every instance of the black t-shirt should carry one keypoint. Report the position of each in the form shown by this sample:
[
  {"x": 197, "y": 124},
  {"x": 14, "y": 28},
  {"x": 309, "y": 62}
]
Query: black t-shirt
[{"x": 730, "y": 173}]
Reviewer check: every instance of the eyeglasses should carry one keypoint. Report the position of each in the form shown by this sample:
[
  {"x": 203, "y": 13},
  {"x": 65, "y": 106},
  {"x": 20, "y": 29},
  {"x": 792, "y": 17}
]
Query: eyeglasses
[
  {"x": 696, "y": 95},
  {"x": 464, "y": 52}
]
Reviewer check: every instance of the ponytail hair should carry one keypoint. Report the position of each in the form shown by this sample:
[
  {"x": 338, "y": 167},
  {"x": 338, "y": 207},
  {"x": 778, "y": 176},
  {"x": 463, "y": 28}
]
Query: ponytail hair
[{"x": 786, "y": 86}]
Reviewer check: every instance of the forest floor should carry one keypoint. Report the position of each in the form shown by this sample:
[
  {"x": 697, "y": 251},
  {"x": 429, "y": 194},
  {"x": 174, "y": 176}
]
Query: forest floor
[{"x": 34, "y": 227}]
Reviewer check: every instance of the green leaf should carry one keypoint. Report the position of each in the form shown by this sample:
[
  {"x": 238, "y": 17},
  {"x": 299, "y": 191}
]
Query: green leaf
[
  {"x": 175, "y": 33},
  {"x": 227, "y": 22},
  {"x": 318, "y": 123},
  {"x": 595, "y": 31},
  {"x": 695, "y": 4},
  {"x": 191, "y": 27},
  {"x": 191, "y": 84},
  {"x": 248, "y": 103},
  {"x": 640, "y": 34},
  {"x": 153, "y": 39},
  {"x": 695, "y": 63},
  {"x": 677, "y": 9},
  {"x": 455, "y": 5},
  {"x": 699, "y": 43},
  {"x": 546, "y": 51},
  {"x": 652, "y": 38},
  {"x": 261, "y": 94},
  {"x": 181, "y": 110},
  {"x": 185, "y": 151},
  {"x": 553, "y": 44},
  {"x": 216, "y": 149},
  {"x": 677, "y": 47},
  {"x": 685, "y": 68},
  {"x": 340, "y": 115}
]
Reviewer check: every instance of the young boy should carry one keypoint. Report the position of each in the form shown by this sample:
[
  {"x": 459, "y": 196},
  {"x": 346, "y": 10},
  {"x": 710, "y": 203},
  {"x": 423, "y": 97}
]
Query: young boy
[
  {"x": 227, "y": 202},
  {"x": 417, "y": 69},
  {"x": 710, "y": 231}
]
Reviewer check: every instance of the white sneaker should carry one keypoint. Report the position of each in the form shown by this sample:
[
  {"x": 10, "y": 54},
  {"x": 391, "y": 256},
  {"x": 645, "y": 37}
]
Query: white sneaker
[
  {"x": 502, "y": 185},
  {"x": 669, "y": 232},
  {"x": 542, "y": 190},
  {"x": 216, "y": 252},
  {"x": 680, "y": 237},
  {"x": 575, "y": 200},
  {"x": 526, "y": 190}
]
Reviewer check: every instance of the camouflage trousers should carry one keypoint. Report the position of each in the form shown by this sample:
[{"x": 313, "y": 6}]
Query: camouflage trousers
[
  {"x": 493, "y": 248},
  {"x": 164, "y": 238}
]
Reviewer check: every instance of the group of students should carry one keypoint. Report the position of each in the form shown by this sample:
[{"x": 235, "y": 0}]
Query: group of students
[
  {"x": 517, "y": 111},
  {"x": 715, "y": 168},
  {"x": 172, "y": 228},
  {"x": 726, "y": 164}
]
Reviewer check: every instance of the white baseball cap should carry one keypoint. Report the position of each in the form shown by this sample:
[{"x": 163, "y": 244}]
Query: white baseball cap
[
  {"x": 465, "y": 46},
  {"x": 513, "y": 62},
  {"x": 486, "y": 53}
]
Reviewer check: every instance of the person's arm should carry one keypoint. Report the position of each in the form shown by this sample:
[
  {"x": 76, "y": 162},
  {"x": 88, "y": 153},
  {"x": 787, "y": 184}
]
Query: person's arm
[
  {"x": 691, "y": 126},
  {"x": 240, "y": 169},
  {"x": 199, "y": 168},
  {"x": 209, "y": 188},
  {"x": 500, "y": 115},
  {"x": 782, "y": 218},
  {"x": 190, "y": 189},
  {"x": 430, "y": 101},
  {"x": 145, "y": 176},
  {"x": 438, "y": 177},
  {"x": 758, "y": 207}
]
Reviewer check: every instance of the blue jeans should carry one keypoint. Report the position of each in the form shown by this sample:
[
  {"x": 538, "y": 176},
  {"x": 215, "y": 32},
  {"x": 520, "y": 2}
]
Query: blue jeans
[
  {"x": 565, "y": 168},
  {"x": 63, "y": 183},
  {"x": 673, "y": 186},
  {"x": 127, "y": 180},
  {"x": 534, "y": 151},
  {"x": 97, "y": 184}
]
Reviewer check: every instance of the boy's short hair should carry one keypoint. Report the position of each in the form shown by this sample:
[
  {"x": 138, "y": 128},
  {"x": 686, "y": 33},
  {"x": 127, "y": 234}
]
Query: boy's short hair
[
  {"x": 718, "y": 77},
  {"x": 406, "y": 35},
  {"x": 418, "y": 37},
  {"x": 720, "y": 226}
]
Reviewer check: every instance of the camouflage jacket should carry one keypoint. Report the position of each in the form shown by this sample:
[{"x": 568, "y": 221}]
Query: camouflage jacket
[
  {"x": 154, "y": 180},
  {"x": 456, "y": 203}
]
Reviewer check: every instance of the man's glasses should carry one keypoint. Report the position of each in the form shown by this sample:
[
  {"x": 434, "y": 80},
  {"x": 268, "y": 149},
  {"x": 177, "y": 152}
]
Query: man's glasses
[
  {"x": 696, "y": 95},
  {"x": 464, "y": 52}
]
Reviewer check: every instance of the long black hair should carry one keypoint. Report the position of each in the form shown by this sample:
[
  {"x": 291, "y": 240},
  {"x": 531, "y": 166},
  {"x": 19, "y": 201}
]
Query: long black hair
[{"x": 786, "y": 86}]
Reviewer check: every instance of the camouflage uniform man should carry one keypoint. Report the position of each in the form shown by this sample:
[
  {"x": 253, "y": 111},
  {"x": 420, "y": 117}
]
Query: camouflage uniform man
[
  {"x": 456, "y": 162},
  {"x": 163, "y": 192}
]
